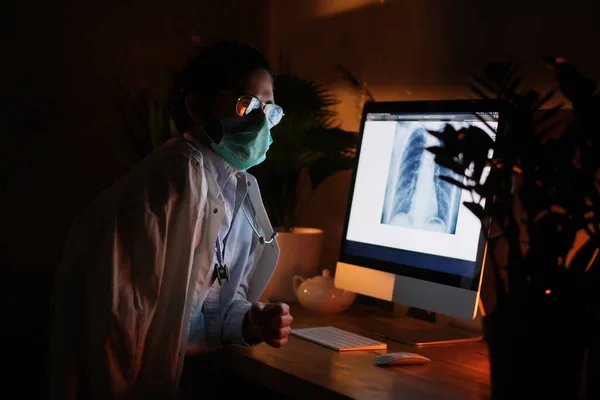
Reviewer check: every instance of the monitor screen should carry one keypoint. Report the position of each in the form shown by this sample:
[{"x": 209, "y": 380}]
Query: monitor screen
[{"x": 402, "y": 218}]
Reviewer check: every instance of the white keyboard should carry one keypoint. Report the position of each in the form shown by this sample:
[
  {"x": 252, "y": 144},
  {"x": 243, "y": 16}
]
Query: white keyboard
[{"x": 338, "y": 339}]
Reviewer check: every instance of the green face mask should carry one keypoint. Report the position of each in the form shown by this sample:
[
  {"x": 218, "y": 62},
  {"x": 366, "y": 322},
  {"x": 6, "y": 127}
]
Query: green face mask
[{"x": 244, "y": 144}]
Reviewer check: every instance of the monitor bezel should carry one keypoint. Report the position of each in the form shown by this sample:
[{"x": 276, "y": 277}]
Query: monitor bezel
[{"x": 435, "y": 106}]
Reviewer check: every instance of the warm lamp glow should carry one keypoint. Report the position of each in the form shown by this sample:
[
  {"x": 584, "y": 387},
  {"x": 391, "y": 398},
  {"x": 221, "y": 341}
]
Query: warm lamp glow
[
  {"x": 548, "y": 291},
  {"x": 326, "y": 8}
]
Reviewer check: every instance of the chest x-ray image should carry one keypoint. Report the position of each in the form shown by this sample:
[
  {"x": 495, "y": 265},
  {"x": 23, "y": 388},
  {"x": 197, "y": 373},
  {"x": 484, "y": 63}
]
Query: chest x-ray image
[{"x": 415, "y": 196}]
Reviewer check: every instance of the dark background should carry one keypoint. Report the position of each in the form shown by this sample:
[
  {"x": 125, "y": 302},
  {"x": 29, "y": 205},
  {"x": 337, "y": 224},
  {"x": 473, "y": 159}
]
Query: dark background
[{"x": 61, "y": 61}]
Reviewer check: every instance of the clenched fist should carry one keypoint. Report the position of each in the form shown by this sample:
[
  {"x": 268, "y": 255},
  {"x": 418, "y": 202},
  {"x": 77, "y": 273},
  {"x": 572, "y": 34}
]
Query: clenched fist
[{"x": 269, "y": 323}]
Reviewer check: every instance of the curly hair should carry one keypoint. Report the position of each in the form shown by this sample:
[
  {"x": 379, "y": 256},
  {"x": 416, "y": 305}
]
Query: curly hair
[{"x": 213, "y": 68}]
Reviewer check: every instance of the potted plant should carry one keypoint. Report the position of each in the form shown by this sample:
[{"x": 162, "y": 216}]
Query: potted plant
[
  {"x": 542, "y": 192},
  {"x": 147, "y": 122},
  {"x": 308, "y": 147}
]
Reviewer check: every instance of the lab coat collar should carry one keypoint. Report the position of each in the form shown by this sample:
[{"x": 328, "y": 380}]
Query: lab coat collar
[{"x": 220, "y": 170}]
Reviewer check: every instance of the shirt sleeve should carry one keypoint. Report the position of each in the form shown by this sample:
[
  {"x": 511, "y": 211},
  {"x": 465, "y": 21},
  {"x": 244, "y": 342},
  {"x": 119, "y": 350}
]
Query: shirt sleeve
[
  {"x": 233, "y": 323},
  {"x": 222, "y": 330}
]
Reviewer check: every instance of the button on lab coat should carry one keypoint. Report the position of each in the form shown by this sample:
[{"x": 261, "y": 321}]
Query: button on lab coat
[{"x": 122, "y": 299}]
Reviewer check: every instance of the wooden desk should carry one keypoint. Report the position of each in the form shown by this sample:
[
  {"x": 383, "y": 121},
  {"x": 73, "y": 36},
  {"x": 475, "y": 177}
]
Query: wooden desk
[{"x": 303, "y": 370}]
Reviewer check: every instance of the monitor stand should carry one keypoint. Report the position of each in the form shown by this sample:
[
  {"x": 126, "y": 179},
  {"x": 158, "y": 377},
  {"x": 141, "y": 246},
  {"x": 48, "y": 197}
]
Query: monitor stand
[{"x": 435, "y": 335}]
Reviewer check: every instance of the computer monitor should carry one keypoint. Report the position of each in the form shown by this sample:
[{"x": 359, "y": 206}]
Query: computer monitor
[{"x": 408, "y": 238}]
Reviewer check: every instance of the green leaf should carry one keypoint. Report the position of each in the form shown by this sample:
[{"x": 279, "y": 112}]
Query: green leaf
[
  {"x": 585, "y": 257},
  {"x": 548, "y": 129},
  {"x": 510, "y": 75},
  {"x": 498, "y": 72},
  {"x": 485, "y": 123},
  {"x": 437, "y": 134},
  {"x": 455, "y": 182},
  {"x": 475, "y": 209},
  {"x": 437, "y": 150},
  {"x": 348, "y": 77},
  {"x": 449, "y": 162},
  {"x": 355, "y": 83},
  {"x": 305, "y": 96},
  {"x": 146, "y": 120},
  {"x": 544, "y": 99},
  {"x": 551, "y": 112},
  {"x": 512, "y": 86},
  {"x": 479, "y": 86}
]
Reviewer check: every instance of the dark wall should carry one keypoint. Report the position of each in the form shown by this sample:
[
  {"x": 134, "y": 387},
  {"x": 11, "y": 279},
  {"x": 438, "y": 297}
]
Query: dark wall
[{"x": 32, "y": 73}]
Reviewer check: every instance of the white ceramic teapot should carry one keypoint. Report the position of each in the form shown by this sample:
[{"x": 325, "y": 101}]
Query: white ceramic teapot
[{"x": 319, "y": 294}]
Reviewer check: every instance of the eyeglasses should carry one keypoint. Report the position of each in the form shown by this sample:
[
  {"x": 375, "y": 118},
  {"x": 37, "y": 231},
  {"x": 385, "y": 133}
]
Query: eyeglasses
[{"x": 248, "y": 103}]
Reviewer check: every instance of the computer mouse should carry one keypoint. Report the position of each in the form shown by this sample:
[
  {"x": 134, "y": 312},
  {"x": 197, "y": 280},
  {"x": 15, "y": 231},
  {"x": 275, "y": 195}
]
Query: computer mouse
[{"x": 400, "y": 358}]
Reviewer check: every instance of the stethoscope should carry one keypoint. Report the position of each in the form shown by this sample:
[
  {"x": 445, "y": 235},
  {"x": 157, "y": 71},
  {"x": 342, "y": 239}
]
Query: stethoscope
[
  {"x": 221, "y": 272},
  {"x": 261, "y": 238}
]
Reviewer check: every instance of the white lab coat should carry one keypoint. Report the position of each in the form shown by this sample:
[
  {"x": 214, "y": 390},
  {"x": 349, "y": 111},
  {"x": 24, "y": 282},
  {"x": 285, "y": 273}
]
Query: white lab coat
[{"x": 121, "y": 306}]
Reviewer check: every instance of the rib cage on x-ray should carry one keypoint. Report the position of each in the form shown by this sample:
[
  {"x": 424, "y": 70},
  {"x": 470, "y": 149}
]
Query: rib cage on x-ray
[
  {"x": 408, "y": 174},
  {"x": 419, "y": 198}
]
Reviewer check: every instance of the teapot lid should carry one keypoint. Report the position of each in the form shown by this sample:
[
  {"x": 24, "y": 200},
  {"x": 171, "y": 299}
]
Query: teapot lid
[{"x": 325, "y": 277}]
